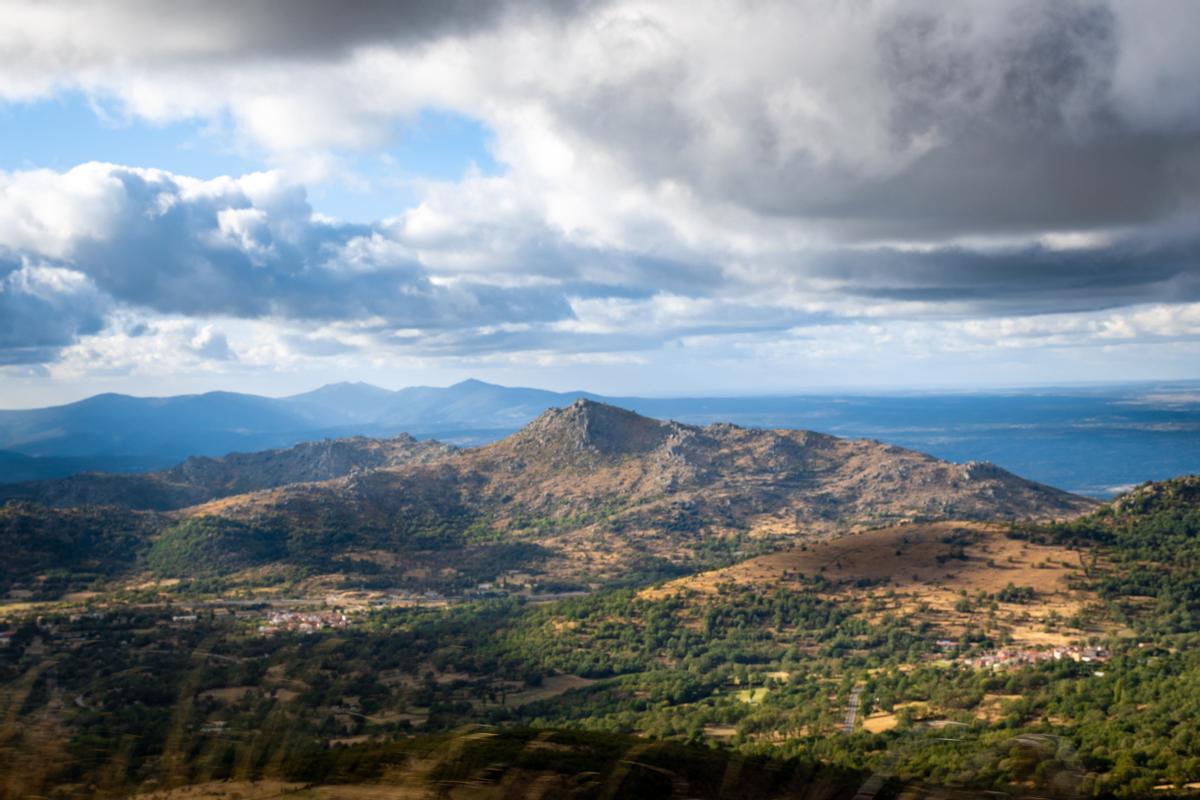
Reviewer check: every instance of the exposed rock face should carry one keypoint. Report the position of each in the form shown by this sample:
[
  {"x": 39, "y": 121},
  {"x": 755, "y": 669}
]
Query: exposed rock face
[
  {"x": 594, "y": 450},
  {"x": 569, "y": 435}
]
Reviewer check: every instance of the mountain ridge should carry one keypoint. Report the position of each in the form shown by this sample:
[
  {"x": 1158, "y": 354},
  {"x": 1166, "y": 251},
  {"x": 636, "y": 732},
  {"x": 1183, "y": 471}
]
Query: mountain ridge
[
  {"x": 600, "y": 489},
  {"x": 1089, "y": 443},
  {"x": 202, "y": 478},
  {"x": 585, "y": 494}
]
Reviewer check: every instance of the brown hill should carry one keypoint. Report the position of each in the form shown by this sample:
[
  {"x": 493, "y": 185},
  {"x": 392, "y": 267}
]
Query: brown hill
[
  {"x": 924, "y": 570},
  {"x": 201, "y": 479},
  {"x": 601, "y": 491},
  {"x": 592, "y": 450}
]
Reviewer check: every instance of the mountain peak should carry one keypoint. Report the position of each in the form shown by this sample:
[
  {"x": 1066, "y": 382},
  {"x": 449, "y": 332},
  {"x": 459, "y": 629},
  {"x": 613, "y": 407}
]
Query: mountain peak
[
  {"x": 589, "y": 426},
  {"x": 592, "y": 413},
  {"x": 474, "y": 383},
  {"x": 344, "y": 387}
]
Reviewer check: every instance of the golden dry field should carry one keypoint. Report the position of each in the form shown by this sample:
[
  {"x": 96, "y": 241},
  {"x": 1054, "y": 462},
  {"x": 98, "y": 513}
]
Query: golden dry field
[{"x": 924, "y": 569}]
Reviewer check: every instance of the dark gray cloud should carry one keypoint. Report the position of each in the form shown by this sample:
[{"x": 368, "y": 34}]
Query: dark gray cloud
[
  {"x": 1025, "y": 280},
  {"x": 296, "y": 29},
  {"x": 1031, "y": 134},
  {"x": 1015, "y": 187},
  {"x": 1008, "y": 119},
  {"x": 1050, "y": 68}
]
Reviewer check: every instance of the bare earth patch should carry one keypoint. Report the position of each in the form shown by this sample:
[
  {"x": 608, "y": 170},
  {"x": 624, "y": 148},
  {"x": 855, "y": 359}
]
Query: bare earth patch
[
  {"x": 924, "y": 569},
  {"x": 879, "y": 722},
  {"x": 227, "y": 694},
  {"x": 552, "y": 686},
  {"x": 720, "y": 731}
]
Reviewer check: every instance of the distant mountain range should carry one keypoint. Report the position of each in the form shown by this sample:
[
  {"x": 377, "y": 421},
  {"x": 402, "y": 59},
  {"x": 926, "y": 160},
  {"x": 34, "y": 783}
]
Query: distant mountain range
[
  {"x": 1090, "y": 441},
  {"x": 112, "y": 431}
]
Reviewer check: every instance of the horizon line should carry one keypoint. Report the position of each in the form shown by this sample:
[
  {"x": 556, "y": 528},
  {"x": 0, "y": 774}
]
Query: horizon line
[{"x": 828, "y": 390}]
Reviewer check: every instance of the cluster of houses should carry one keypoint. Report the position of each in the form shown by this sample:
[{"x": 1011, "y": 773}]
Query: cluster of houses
[
  {"x": 1013, "y": 657},
  {"x": 303, "y": 621}
]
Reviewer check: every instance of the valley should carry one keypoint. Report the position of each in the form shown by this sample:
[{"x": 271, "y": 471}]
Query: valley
[
  {"x": 599, "y": 400},
  {"x": 810, "y": 602}
]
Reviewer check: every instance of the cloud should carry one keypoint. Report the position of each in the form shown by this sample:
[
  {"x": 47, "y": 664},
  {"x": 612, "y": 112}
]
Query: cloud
[
  {"x": 211, "y": 344},
  {"x": 1027, "y": 279},
  {"x": 259, "y": 29},
  {"x": 884, "y": 120},
  {"x": 866, "y": 120},
  {"x": 670, "y": 175},
  {"x": 248, "y": 247},
  {"x": 43, "y": 309},
  {"x": 465, "y": 274}
]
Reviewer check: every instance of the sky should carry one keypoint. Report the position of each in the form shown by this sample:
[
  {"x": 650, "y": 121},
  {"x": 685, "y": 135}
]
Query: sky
[{"x": 628, "y": 197}]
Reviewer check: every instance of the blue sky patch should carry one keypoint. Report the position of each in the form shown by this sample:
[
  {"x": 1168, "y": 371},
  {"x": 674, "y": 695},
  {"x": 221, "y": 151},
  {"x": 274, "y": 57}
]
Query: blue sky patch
[{"x": 70, "y": 129}]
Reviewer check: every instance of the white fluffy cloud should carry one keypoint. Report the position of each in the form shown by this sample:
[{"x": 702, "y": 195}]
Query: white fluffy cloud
[
  {"x": 714, "y": 174},
  {"x": 247, "y": 247}
]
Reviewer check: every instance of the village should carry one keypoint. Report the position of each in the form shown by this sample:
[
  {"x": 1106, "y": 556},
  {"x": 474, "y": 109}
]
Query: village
[
  {"x": 265, "y": 616},
  {"x": 1015, "y": 657},
  {"x": 303, "y": 621}
]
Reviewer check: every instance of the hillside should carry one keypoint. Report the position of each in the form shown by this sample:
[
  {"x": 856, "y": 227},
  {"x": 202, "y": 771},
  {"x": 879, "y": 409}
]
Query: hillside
[
  {"x": 19, "y": 468},
  {"x": 600, "y": 491},
  {"x": 925, "y": 570},
  {"x": 201, "y": 478},
  {"x": 46, "y": 550}
]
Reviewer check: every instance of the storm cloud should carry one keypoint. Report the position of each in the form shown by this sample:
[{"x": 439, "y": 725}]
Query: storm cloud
[{"x": 1036, "y": 279}]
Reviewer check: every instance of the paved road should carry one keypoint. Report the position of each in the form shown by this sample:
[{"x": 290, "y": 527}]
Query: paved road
[{"x": 852, "y": 711}]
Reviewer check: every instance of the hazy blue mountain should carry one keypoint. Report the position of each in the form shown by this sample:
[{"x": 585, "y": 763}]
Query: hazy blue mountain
[
  {"x": 341, "y": 404},
  {"x": 161, "y": 429},
  {"x": 472, "y": 405},
  {"x": 1090, "y": 441},
  {"x": 475, "y": 410}
]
